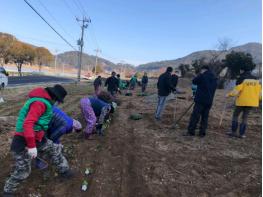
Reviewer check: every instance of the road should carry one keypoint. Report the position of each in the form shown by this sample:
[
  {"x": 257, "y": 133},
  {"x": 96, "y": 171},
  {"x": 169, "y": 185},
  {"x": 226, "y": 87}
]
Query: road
[{"x": 27, "y": 80}]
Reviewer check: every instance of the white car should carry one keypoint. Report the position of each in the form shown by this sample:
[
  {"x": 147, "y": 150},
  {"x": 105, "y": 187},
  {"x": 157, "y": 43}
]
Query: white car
[{"x": 3, "y": 78}]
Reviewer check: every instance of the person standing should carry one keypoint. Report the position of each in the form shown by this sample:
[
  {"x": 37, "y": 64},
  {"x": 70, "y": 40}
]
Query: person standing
[
  {"x": 174, "y": 79},
  {"x": 164, "y": 89},
  {"x": 120, "y": 83},
  {"x": 112, "y": 84},
  {"x": 133, "y": 82},
  {"x": 206, "y": 86},
  {"x": 97, "y": 85},
  {"x": 144, "y": 82},
  {"x": 29, "y": 139},
  {"x": 248, "y": 92}
]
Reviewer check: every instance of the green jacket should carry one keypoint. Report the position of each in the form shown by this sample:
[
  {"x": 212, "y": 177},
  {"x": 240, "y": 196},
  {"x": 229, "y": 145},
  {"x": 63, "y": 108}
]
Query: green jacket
[{"x": 42, "y": 123}]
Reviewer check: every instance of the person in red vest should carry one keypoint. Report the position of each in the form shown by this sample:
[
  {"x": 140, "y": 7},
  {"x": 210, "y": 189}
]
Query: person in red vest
[{"x": 29, "y": 138}]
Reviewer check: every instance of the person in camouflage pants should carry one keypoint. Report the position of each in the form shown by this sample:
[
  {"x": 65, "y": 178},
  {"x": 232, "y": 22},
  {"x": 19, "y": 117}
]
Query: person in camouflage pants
[
  {"x": 29, "y": 139},
  {"x": 23, "y": 164}
]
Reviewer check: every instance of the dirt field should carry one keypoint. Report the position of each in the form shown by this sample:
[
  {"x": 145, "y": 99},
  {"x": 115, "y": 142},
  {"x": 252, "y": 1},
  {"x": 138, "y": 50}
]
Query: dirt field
[{"x": 144, "y": 157}]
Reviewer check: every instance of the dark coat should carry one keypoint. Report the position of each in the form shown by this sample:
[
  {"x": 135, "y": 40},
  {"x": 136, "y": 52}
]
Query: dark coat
[
  {"x": 174, "y": 80},
  {"x": 112, "y": 83},
  {"x": 97, "y": 82},
  {"x": 206, "y": 87},
  {"x": 144, "y": 79},
  {"x": 164, "y": 84}
]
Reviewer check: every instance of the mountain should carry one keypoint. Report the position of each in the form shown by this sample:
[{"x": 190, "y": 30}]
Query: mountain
[
  {"x": 255, "y": 49},
  {"x": 70, "y": 58}
]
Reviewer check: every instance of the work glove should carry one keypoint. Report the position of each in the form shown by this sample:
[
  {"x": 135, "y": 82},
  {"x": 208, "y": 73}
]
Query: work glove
[
  {"x": 32, "y": 152},
  {"x": 77, "y": 125}
]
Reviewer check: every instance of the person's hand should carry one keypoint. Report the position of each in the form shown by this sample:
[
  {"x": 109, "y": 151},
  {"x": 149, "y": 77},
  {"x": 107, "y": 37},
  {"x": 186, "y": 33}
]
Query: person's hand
[
  {"x": 32, "y": 152},
  {"x": 190, "y": 98}
]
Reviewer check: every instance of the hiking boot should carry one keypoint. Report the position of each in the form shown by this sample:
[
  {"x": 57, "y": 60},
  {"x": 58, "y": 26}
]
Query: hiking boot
[
  {"x": 8, "y": 194},
  {"x": 202, "y": 135},
  {"x": 187, "y": 134},
  {"x": 67, "y": 175},
  {"x": 157, "y": 118},
  {"x": 231, "y": 134}
]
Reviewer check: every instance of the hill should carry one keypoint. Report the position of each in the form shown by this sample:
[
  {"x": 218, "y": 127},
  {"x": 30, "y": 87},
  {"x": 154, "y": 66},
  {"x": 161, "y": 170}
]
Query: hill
[
  {"x": 70, "y": 58},
  {"x": 253, "y": 48}
]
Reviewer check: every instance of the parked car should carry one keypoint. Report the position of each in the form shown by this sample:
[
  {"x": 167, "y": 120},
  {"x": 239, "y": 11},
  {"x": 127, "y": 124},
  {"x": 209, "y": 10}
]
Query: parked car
[{"x": 3, "y": 77}]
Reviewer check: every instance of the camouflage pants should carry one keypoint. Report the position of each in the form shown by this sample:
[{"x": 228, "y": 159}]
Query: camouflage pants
[
  {"x": 23, "y": 164},
  {"x": 105, "y": 110}
]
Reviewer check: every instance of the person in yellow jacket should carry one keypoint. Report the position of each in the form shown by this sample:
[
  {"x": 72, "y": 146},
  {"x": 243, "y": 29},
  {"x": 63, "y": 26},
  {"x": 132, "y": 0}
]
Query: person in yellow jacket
[{"x": 248, "y": 93}]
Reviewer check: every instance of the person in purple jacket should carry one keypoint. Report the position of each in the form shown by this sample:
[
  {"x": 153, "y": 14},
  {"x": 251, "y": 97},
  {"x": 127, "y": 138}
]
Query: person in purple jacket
[{"x": 95, "y": 110}]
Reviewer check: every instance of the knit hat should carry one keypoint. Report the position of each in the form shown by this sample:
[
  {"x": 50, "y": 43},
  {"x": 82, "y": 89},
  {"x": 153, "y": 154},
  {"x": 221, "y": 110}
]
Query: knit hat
[{"x": 77, "y": 125}]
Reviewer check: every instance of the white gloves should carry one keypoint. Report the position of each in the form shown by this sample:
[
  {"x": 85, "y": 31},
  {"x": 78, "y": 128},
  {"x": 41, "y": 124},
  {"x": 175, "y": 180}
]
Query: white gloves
[
  {"x": 76, "y": 125},
  {"x": 32, "y": 152}
]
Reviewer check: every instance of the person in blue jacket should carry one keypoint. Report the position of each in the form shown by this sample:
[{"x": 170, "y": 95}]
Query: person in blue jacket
[
  {"x": 203, "y": 97},
  {"x": 102, "y": 107},
  {"x": 59, "y": 125}
]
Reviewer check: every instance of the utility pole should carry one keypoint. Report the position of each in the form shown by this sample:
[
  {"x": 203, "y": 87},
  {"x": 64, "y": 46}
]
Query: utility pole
[
  {"x": 97, "y": 51},
  {"x": 84, "y": 25}
]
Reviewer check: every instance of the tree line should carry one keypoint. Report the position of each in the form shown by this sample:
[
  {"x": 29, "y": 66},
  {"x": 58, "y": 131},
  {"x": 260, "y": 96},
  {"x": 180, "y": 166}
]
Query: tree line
[
  {"x": 19, "y": 53},
  {"x": 233, "y": 63}
]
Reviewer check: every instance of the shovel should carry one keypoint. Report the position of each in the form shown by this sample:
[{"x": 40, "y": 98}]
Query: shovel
[
  {"x": 41, "y": 164},
  {"x": 183, "y": 114}
]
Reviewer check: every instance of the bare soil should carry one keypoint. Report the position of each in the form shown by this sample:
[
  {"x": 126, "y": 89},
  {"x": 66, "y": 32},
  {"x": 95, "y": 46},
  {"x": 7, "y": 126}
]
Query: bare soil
[{"x": 145, "y": 157}]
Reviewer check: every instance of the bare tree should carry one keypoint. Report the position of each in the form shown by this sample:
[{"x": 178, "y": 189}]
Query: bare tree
[{"x": 223, "y": 45}]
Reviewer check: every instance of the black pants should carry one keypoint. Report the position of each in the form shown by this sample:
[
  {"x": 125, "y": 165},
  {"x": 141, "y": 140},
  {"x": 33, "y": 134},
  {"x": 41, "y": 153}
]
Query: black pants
[{"x": 199, "y": 111}]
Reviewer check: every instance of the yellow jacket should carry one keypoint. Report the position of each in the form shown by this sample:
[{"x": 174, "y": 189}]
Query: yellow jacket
[{"x": 248, "y": 93}]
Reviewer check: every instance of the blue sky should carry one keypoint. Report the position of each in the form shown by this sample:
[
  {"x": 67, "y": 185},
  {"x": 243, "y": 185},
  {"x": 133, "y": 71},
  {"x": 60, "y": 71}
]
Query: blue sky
[{"x": 135, "y": 31}]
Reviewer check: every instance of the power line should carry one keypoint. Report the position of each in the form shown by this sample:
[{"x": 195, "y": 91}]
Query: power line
[
  {"x": 82, "y": 7},
  {"x": 49, "y": 24},
  {"x": 70, "y": 10},
  {"x": 44, "y": 41},
  {"x": 51, "y": 15},
  {"x": 79, "y": 7},
  {"x": 91, "y": 29}
]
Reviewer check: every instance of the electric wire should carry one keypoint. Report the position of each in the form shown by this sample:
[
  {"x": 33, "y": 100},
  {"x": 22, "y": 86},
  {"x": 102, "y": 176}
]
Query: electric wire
[
  {"x": 52, "y": 16},
  {"x": 49, "y": 25}
]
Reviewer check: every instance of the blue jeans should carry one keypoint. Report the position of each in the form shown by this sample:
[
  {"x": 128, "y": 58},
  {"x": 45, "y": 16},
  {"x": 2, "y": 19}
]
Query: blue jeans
[{"x": 160, "y": 106}]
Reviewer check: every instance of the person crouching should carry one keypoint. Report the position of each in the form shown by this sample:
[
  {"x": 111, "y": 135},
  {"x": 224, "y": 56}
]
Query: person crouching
[{"x": 29, "y": 138}]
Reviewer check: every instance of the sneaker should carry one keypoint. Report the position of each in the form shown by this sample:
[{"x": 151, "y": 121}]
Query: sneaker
[
  {"x": 242, "y": 136},
  {"x": 67, "y": 175},
  {"x": 8, "y": 194}
]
